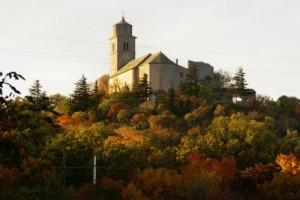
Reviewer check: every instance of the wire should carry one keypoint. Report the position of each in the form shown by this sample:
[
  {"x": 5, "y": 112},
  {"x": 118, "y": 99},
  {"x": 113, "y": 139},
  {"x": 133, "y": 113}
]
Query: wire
[
  {"x": 57, "y": 56},
  {"x": 153, "y": 47}
]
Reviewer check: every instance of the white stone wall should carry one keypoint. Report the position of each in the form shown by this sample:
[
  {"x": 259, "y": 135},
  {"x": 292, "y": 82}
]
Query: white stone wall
[
  {"x": 144, "y": 69},
  {"x": 122, "y": 80},
  {"x": 166, "y": 76}
]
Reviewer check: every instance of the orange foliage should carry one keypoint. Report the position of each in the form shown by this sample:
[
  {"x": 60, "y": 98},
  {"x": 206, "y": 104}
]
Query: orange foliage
[
  {"x": 226, "y": 168},
  {"x": 65, "y": 120},
  {"x": 260, "y": 173},
  {"x": 76, "y": 118},
  {"x": 289, "y": 164},
  {"x": 159, "y": 184},
  {"x": 161, "y": 121},
  {"x": 127, "y": 136}
]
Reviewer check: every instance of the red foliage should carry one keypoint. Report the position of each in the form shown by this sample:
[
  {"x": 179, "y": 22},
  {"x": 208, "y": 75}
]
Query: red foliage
[
  {"x": 76, "y": 118},
  {"x": 259, "y": 173},
  {"x": 225, "y": 168},
  {"x": 115, "y": 108}
]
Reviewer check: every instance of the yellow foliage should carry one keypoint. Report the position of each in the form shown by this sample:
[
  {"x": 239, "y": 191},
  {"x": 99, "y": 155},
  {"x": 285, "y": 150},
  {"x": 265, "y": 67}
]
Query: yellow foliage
[
  {"x": 126, "y": 136},
  {"x": 289, "y": 164}
]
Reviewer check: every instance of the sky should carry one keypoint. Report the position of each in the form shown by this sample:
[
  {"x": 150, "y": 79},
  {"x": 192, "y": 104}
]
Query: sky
[{"x": 56, "y": 41}]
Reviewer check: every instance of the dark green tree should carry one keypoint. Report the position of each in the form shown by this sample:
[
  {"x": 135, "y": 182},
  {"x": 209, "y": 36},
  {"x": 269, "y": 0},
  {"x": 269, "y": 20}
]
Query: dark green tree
[
  {"x": 190, "y": 85},
  {"x": 36, "y": 89},
  {"x": 95, "y": 95},
  {"x": 81, "y": 96},
  {"x": 38, "y": 97},
  {"x": 240, "y": 80},
  {"x": 143, "y": 89}
]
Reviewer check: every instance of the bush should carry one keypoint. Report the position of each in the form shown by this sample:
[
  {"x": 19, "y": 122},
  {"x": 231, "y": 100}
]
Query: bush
[
  {"x": 161, "y": 121},
  {"x": 124, "y": 116}
]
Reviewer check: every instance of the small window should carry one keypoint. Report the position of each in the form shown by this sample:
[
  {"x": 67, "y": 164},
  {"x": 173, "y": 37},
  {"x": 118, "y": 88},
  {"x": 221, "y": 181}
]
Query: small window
[
  {"x": 125, "y": 46},
  {"x": 181, "y": 75}
]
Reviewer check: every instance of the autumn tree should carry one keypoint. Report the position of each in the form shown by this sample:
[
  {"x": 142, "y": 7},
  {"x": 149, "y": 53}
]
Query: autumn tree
[
  {"x": 102, "y": 85},
  {"x": 283, "y": 187},
  {"x": 249, "y": 141}
]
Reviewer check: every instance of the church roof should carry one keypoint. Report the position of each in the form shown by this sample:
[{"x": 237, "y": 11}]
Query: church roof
[
  {"x": 160, "y": 58},
  {"x": 132, "y": 64},
  {"x": 157, "y": 58},
  {"x": 123, "y": 21}
]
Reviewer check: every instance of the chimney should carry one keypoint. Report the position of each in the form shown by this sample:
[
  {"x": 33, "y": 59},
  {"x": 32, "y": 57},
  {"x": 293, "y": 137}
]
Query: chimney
[{"x": 176, "y": 61}]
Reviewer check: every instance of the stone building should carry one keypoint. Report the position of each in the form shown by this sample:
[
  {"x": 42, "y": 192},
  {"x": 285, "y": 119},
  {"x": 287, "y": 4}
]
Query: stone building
[{"x": 126, "y": 70}]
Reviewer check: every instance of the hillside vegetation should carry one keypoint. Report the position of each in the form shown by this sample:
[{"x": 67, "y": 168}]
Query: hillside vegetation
[{"x": 188, "y": 144}]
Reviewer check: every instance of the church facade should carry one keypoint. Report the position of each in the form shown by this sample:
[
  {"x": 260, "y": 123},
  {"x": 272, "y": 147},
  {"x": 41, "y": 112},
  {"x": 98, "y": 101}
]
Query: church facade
[{"x": 126, "y": 70}]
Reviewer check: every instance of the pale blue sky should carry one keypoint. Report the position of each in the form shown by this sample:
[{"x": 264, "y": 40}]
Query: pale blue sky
[{"x": 56, "y": 41}]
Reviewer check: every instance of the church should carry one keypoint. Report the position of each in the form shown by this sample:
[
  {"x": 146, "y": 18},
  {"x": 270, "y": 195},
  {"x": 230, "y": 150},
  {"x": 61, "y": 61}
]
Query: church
[{"x": 126, "y": 70}]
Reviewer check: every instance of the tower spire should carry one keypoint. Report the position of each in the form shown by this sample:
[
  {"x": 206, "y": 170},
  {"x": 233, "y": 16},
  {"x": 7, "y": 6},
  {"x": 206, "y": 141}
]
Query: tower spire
[
  {"x": 122, "y": 45},
  {"x": 123, "y": 16}
]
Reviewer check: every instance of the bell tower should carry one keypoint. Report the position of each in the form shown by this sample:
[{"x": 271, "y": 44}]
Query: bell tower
[{"x": 122, "y": 46}]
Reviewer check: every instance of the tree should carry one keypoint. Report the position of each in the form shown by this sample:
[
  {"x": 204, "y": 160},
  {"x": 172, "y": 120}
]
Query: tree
[
  {"x": 95, "y": 96},
  {"x": 81, "y": 96},
  {"x": 102, "y": 85},
  {"x": 223, "y": 79},
  {"x": 283, "y": 187},
  {"x": 143, "y": 89},
  {"x": 190, "y": 85},
  {"x": 249, "y": 141},
  {"x": 239, "y": 79},
  {"x": 36, "y": 89},
  {"x": 38, "y": 97},
  {"x": 60, "y": 103}
]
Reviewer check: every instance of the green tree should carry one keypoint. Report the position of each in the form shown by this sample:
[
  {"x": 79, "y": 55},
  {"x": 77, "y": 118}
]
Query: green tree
[
  {"x": 95, "y": 95},
  {"x": 239, "y": 79},
  {"x": 190, "y": 85},
  {"x": 81, "y": 96},
  {"x": 36, "y": 89},
  {"x": 143, "y": 90},
  {"x": 60, "y": 103},
  {"x": 249, "y": 141},
  {"x": 38, "y": 97}
]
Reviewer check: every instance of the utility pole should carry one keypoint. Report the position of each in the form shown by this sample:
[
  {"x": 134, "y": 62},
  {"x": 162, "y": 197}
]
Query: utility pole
[{"x": 95, "y": 169}]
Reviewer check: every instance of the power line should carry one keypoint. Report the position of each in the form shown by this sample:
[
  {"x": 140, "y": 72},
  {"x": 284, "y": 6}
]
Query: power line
[
  {"x": 58, "y": 57},
  {"x": 226, "y": 53}
]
